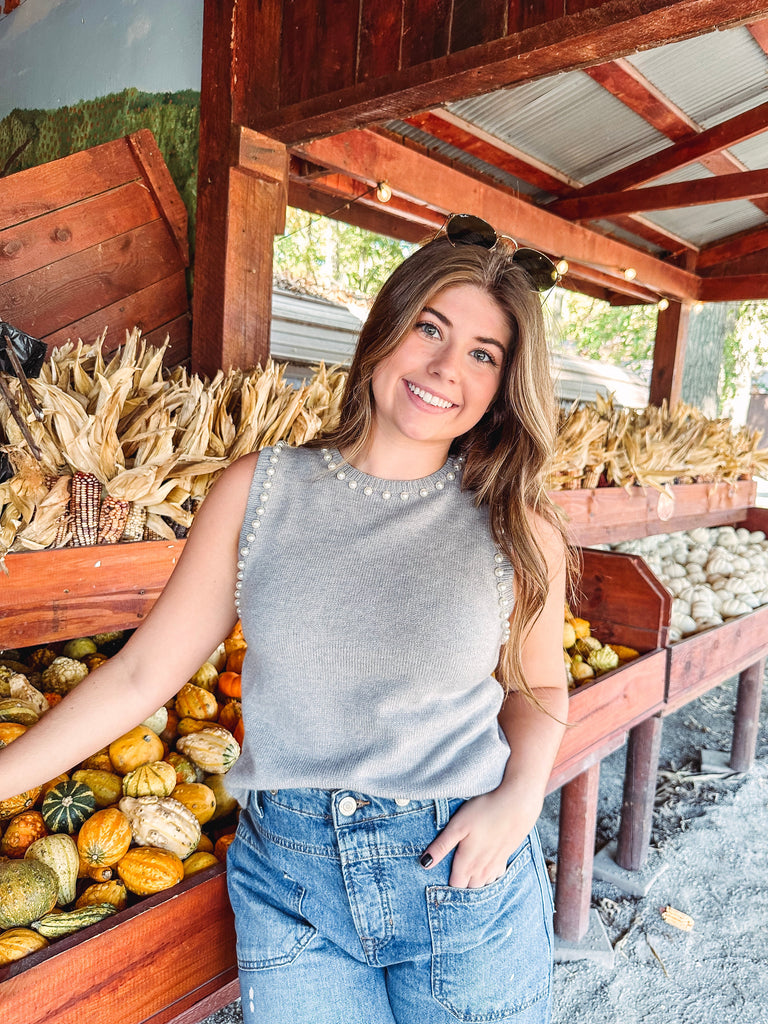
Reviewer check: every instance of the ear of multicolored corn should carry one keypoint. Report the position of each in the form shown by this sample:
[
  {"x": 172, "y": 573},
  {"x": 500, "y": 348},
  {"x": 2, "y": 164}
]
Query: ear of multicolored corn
[
  {"x": 85, "y": 505},
  {"x": 134, "y": 523},
  {"x": 112, "y": 519}
]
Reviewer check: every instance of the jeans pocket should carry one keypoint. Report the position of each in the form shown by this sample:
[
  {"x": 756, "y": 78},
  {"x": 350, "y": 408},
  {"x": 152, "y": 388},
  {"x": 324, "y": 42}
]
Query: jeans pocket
[
  {"x": 492, "y": 947},
  {"x": 271, "y": 931}
]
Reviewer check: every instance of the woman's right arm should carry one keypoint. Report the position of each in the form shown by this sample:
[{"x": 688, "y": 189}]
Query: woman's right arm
[{"x": 188, "y": 621}]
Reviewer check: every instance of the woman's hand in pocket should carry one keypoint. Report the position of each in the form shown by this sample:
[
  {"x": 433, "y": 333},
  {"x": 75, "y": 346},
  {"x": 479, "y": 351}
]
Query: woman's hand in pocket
[{"x": 485, "y": 832}]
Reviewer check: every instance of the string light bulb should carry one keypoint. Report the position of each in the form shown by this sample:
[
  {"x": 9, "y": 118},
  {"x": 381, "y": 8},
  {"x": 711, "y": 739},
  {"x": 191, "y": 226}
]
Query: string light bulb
[
  {"x": 562, "y": 267},
  {"x": 629, "y": 273},
  {"x": 383, "y": 192},
  {"x": 662, "y": 304},
  {"x": 697, "y": 307}
]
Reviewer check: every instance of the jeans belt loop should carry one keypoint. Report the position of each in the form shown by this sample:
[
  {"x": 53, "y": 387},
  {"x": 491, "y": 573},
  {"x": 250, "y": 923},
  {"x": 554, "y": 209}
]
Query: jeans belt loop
[
  {"x": 257, "y": 804},
  {"x": 441, "y": 812}
]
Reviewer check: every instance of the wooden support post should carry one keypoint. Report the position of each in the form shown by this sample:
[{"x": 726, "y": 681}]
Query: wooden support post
[
  {"x": 747, "y": 720},
  {"x": 239, "y": 212},
  {"x": 241, "y": 192},
  {"x": 639, "y": 791},
  {"x": 576, "y": 853},
  {"x": 669, "y": 353}
]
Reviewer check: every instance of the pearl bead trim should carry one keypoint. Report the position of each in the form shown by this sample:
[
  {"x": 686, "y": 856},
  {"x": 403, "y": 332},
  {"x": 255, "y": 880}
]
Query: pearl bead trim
[
  {"x": 387, "y": 489},
  {"x": 255, "y": 525}
]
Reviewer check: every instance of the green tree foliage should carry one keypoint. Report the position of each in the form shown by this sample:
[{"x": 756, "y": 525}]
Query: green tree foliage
[
  {"x": 623, "y": 335},
  {"x": 334, "y": 258}
]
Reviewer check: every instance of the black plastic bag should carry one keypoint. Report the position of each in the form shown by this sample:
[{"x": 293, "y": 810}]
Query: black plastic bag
[
  {"x": 30, "y": 351},
  {"x": 30, "y": 354}
]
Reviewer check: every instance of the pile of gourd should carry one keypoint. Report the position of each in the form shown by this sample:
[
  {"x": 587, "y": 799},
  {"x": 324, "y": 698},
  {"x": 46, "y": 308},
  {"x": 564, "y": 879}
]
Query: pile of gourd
[
  {"x": 585, "y": 656},
  {"x": 713, "y": 574},
  {"x": 133, "y": 819}
]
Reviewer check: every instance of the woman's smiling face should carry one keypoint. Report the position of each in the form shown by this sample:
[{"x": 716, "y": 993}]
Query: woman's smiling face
[{"x": 441, "y": 379}]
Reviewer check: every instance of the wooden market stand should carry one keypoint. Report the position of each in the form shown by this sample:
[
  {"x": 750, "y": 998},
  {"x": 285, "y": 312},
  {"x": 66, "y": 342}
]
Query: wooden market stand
[{"x": 269, "y": 121}]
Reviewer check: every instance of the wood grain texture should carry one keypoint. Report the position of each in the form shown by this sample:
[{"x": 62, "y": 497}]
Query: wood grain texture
[
  {"x": 52, "y": 186},
  {"x": 58, "y": 594},
  {"x": 46, "y": 300},
  {"x": 101, "y": 974},
  {"x": 42, "y": 241},
  {"x": 318, "y": 48},
  {"x": 381, "y": 26},
  {"x": 166, "y": 299}
]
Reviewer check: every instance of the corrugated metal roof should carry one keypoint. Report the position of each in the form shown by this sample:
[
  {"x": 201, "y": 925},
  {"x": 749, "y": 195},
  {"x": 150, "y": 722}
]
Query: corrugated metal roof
[
  {"x": 704, "y": 224},
  {"x": 753, "y": 153},
  {"x": 569, "y": 122},
  {"x": 712, "y": 77}
]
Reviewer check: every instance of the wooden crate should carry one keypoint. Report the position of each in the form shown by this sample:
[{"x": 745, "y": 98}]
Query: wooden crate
[
  {"x": 699, "y": 662},
  {"x": 607, "y": 515},
  {"x": 169, "y": 958},
  {"x": 626, "y": 604},
  {"x": 69, "y": 592},
  {"x": 97, "y": 239}
]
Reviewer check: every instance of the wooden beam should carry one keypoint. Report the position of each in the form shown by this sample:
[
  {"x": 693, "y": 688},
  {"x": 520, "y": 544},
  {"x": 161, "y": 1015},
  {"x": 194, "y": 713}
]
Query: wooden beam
[
  {"x": 370, "y": 157},
  {"x": 583, "y": 38},
  {"x": 669, "y": 354},
  {"x": 733, "y": 248},
  {"x": 306, "y": 196},
  {"x": 738, "y": 288},
  {"x": 719, "y": 189},
  {"x": 623, "y": 80},
  {"x": 728, "y": 133}
]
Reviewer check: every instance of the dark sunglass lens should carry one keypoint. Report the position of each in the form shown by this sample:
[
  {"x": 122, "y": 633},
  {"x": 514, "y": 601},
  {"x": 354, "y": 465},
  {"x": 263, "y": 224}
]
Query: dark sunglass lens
[
  {"x": 463, "y": 229},
  {"x": 540, "y": 268}
]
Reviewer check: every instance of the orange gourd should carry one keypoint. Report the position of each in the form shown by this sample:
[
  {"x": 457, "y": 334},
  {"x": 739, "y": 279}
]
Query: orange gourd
[
  {"x": 198, "y": 798},
  {"x": 10, "y": 731},
  {"x": 235, "y": 660},
  {"x": 195, "y": 702},
  {"x": 113, "y": 892},
  {"x": 146, "y": 870},
  {"x": 222, "y": 844},
  {"x": 21, "y": 832},
  {"x": 16, "y": 804},
  {"x": 230, "y": 715},
  {"x": 231, "y": 684},
  {"x": 136, "y": 747},
  {"x": 239, "y": 732},
  {"x": 104, "y": 838}
]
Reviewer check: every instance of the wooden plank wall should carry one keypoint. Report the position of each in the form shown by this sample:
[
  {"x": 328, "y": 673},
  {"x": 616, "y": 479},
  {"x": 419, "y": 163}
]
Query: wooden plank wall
[
  {"x": 97, "y": 239},
  {"x": 364, "y": 39}
]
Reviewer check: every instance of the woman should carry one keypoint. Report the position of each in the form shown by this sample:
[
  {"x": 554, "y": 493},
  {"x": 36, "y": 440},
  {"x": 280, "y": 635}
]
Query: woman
[{"x": 386, "y": 866}]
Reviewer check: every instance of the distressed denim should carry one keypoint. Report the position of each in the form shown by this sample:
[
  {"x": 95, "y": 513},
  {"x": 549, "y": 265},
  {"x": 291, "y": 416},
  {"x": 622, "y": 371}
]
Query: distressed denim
[{"x": 338, "y": 923}]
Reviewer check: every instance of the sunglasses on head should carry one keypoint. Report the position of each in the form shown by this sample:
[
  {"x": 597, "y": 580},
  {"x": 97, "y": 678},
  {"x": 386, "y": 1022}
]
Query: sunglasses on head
[{"x": 464, "y": 229}]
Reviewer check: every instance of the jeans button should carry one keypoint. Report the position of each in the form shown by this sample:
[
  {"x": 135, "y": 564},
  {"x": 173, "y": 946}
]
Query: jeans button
[
  {"x": 401, "y": 801},
  {"x": 347, "y": 806}
]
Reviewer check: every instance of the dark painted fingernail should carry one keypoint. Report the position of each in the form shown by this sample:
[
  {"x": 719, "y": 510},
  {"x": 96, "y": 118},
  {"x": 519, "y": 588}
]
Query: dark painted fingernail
[{"x": 426, "y": 860}]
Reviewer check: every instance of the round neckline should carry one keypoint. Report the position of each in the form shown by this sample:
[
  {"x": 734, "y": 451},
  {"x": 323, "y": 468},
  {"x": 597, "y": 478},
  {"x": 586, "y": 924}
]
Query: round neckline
[{"x": 355, "y": 479}]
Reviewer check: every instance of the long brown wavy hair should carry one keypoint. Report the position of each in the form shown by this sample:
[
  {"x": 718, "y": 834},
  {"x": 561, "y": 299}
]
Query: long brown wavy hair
[{"x": 508, "y": 451}]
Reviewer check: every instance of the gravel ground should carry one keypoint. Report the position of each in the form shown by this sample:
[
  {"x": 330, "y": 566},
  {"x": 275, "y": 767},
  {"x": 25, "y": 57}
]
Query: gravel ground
[{"x": 710, "y": 834}]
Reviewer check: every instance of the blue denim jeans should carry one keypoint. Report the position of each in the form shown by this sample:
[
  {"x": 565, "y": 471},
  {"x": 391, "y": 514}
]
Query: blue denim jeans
[{"x": 338, "y": 923}]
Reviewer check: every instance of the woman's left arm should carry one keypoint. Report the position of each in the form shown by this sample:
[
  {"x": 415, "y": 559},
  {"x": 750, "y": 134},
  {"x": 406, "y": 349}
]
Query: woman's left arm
[{"x": 487, "y": 829}]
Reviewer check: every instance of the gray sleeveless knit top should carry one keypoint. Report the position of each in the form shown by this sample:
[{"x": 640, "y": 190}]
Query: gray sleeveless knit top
[{"x": 374, "y": 611}]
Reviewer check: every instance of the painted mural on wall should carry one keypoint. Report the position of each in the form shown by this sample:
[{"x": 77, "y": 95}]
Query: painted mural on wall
[{"x": 32, "y": 137}]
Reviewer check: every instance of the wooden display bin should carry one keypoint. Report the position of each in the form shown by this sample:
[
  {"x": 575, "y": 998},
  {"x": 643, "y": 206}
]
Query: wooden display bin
[
  {"x": 607, "y": 515},
  {"x": 627, "y": 605},
  {"x": 699, "y": 662},
  {"x": 696, "y": 665},
  {"x": 170, "y": 959},
  {"x": 69, "y": 592}
]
